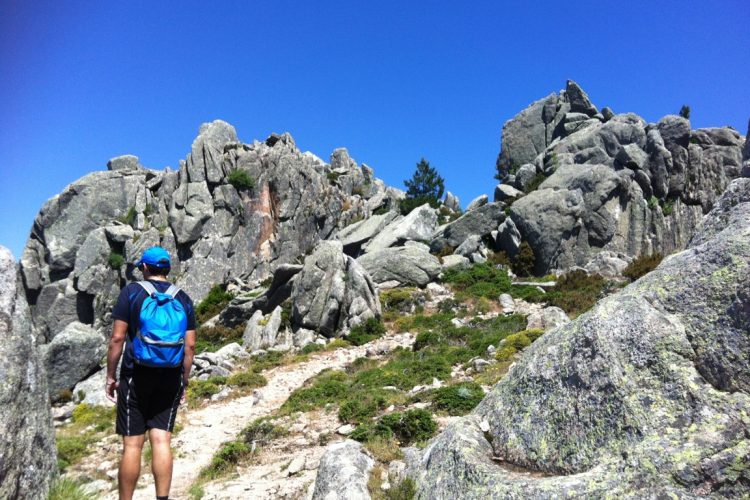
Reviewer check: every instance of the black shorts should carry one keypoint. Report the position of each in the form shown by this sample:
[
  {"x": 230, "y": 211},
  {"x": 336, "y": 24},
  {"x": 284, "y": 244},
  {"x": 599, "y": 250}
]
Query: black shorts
[{"x": 148, "y": 399}]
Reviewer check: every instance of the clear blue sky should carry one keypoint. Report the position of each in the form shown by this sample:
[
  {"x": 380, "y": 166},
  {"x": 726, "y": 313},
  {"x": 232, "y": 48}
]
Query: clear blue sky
[{"x": 392, "y": 81}]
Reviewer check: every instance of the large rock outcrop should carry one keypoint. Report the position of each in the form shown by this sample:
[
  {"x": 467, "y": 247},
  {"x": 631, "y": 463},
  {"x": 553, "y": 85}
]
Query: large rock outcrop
[
  {"x": 71, "y": 356},
  {"x": 480, "y": 221},
  {"x": 343, "y": 473},
  {"x": 27, "y": 442},
  {"x": 230, "y": 210},
  {"x": 402, "y": 266},
  {"x": 333, "y": 292},
  {"x": 645, "y": 396},
  {"x": 615, "y": 183}
]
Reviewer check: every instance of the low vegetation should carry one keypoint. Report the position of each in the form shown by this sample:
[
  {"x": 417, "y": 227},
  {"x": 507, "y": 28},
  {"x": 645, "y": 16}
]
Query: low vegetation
[
  {"x": 88, "y": 425},
  {"x": 241, "y": 180},
  {"x": 64, "y": 488},
  {"x": 216, "y": 300},
  {"x": 115, "y": 260},
  {"x": 366, "y": 332},
  {"x": 534, "y": 184},
  {"x": 213, "y": 338},
  {"x": 479, "y": 280},
  {"x": 368, "y": 386},
  {"x": 576, "y": 292},
  {"x": 409, "y": 427},
  {"x": 642, "y": 265},
  {"x": 456, "y": 399},
  {"x": 517, "y": 342},
  {"x": 250, "y": 442},
  {"x": 129, "y": 217},
  {"x": 397, "y": 299},
  {"x": 523, "y": 263}
]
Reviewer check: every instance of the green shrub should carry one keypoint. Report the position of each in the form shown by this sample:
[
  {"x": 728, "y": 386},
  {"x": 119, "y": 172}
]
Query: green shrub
[
  {"x": 642, "y": 265},
  {"x": 267, "y": 360},
  {"x": 311, "y": 347},
  {"x": 365, "y": 332},
  {"x": 129, "y": 217},
  {"x": 685, "y": 111},
  {"x": 247, "y": 379},
  {"x": 261, "y": 432},
  {"x": 381, "y": 210},
  {"x": 516, "y": 343},
  {"x": 408, "y": 427},
  {"x": 241, "y": 180},
  {"x": 71, "y": 449},
  {"x": 444, "y": 252},
  {"x": 200, "y": 389},
  {"x": 652, "y": 202},
  {"x": 523, "y": 263},
  {"x": 535, "y": 182},
  {"x": 328, "y": 387},
  {"x": 361, "y": 409},
  {"x": 575, "y": 292},
  {"x": 216, "y": 300},
  {"x": 214, "y": 338},
  {"x": 196, "y": 492},
  {"x": 498, "y": 258},
  {"x": 336, "y": 344},
  {"x": 482, "y": 305},
  {"x": 449, "y": 305},
  {"x": 397, "y": 299},
  {"x": 227, "y": 457},
  {"x": 100, "y": 417},
  {"x": 333, "y": 177},
  {"x": 458, "y": 399},
  {"x": 115, "y": 260},
  {"x": 405, "y": 490},
  {"x": 479, "y": 280},
  {"x": 667, "y": 208}
]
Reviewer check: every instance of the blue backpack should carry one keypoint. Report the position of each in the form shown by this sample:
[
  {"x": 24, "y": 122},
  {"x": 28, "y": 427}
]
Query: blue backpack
[{"x": 160, "y": 341}]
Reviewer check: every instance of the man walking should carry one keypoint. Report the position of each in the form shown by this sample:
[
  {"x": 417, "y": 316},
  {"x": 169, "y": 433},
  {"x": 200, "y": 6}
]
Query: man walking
[{"x": 155, "y": 323}]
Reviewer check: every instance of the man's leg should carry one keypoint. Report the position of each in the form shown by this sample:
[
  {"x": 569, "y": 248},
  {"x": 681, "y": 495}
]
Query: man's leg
[
  {"x": 161, "y": 463},
  {"x": 130, "y": 465}
]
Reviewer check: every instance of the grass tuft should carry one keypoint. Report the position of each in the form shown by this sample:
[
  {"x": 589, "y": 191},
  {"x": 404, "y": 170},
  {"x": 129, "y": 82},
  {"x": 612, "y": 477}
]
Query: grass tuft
[
  {"x": 368, "y": 331},
  {"x": 642, "y": 265},
  {"x": 64, "y": 488},
  {"x": 216, "y": 300}
]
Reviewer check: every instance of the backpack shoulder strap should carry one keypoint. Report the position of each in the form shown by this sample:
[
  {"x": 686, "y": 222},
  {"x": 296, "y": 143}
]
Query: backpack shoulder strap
[
  {"x": 150, "y": 289},
  {"x": 172, "y": 291}
]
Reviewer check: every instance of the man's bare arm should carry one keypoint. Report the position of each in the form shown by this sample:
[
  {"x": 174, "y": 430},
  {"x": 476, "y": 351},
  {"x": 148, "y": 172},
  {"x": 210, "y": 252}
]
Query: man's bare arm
[
  {"x": 114, "y": 351},
  {"x": 187, "y": 362}
]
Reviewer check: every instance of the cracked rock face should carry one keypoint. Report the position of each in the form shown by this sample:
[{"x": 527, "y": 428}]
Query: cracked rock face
[
  {"x": 616, "y": 184},
  {"x": 333, "y": 292},
  {"x": 343, "y": 473},
  {"x": 646, "y": 395},
  {"x": 27, "y": 443},
  {"x": 407, "y": 266},
  {"x": 231, "y": 209}
]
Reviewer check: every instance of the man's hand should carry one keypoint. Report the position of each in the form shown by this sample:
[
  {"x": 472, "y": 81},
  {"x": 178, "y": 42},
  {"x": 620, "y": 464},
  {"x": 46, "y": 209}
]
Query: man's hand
[
  {"x": 109, "y": 388},
  {"x": 116, "y": 343}
]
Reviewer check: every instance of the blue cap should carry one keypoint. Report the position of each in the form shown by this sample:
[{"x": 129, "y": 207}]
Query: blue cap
[{"x": 155, "y": 256}]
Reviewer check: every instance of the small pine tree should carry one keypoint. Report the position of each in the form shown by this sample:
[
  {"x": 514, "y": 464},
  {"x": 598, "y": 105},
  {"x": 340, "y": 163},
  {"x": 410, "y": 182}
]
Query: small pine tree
[
  {"x": 685, "y": 111},
  {"x": 425, "y": 186}
]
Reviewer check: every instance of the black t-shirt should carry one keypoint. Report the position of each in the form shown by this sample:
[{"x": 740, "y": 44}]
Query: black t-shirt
[{"x": 128, "y": 309}]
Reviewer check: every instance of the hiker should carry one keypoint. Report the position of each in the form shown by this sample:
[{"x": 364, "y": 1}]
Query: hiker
[{"x": 155, "y": 322}]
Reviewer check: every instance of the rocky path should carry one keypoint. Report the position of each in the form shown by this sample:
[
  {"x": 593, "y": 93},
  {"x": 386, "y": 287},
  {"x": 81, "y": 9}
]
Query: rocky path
[{"x": 205, "y": 429}]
